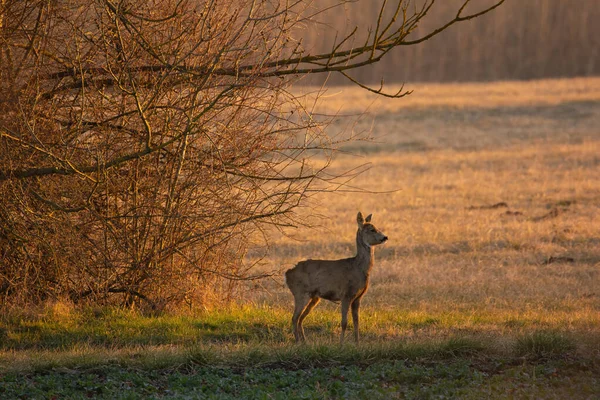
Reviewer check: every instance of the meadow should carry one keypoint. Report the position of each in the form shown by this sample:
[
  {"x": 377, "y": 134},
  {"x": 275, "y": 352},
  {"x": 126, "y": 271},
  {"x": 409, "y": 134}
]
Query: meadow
[{"x": 487, "y": 288}]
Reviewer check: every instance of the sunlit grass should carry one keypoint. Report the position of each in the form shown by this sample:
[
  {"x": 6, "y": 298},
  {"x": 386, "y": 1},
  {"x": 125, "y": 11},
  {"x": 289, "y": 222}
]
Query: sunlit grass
[
  {"x": 350, "y": 99},
  {"x": 85, "y": 337}
]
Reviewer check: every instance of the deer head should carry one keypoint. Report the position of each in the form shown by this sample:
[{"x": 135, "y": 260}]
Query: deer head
[{"x": 368, "y": 234}]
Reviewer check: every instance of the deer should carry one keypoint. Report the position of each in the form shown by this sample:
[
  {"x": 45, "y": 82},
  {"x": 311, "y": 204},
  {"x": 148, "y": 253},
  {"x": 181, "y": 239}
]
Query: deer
[{"x": 345, "y": 280}]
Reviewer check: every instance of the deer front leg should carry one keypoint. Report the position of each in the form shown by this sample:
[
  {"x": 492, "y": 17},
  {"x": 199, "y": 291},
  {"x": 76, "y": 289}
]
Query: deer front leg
[
  {"x": 345, "y": 307},
  {"x": 355, "y": 307}
]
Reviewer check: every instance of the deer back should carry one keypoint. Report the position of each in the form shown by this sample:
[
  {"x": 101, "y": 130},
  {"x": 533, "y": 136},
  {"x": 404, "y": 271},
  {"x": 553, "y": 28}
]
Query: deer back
[{"x": 328, "y": 279}]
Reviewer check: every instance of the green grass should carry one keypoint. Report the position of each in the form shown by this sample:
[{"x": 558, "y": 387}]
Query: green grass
[
  {"x": 381, "y": 380},
  {"x": 542, "y": 344},
  {"x": 247, "y": 352},
  {"x": 402, "y": 378},
  {"x": 62, "y": 328}
]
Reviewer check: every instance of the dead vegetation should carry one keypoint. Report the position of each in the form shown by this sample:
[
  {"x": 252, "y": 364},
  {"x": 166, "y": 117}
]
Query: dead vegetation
[{"x": 509, "y": 224}]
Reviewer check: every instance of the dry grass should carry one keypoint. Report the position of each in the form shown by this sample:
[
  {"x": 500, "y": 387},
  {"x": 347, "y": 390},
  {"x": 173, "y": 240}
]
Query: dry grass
[
  {"x": 445, "y": 154},
  {"x": 460, "y": 95}
]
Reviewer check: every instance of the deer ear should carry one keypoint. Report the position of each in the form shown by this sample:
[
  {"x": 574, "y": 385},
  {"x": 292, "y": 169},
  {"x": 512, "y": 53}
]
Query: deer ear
[
  {"x": 359, "y": 219},
  {"x": 369, "y": 218}
]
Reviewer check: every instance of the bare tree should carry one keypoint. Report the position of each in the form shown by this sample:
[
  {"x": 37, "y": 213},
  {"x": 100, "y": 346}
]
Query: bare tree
[{"x": 143, "y": 143}]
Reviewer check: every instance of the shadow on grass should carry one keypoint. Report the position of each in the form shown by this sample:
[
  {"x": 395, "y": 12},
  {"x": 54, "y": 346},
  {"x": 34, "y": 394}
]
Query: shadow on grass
[
  {"x": 41, "y": 335},
  {"x": 121, "y": 329},
  {"x": 240, "y": 332},
  {"x": 328, "y": 355}
]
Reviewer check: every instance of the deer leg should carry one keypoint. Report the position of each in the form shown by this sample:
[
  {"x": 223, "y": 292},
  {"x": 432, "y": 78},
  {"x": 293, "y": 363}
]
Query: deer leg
[
  {"x": 345, "y": 307},
  {"x": 300, "y": 305},
  {"x": 355, "y": 307},
  {"x": 312, "y": 304}
]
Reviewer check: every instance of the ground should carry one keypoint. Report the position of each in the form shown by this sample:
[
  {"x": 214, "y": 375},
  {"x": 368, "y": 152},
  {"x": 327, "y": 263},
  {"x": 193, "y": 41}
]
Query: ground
[{"x": 487, "y": 288}]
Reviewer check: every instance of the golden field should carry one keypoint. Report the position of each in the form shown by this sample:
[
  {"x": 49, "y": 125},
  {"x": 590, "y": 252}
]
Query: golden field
[{"x": 490, "y": 196}]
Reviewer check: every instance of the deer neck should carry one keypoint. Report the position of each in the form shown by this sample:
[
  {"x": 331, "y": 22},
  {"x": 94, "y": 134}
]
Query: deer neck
[{"x": 365, "y": 255}]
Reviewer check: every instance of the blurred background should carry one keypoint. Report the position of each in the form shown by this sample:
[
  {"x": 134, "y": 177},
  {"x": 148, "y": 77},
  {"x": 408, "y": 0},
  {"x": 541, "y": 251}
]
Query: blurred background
[{"x": 531, "y": 39}]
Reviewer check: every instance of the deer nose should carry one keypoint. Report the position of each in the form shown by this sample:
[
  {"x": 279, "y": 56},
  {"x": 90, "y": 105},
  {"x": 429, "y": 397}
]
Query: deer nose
[{"x": 385, "y": 238}]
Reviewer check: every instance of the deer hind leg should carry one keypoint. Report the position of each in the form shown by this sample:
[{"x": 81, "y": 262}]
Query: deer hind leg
[
  {"x": 345, "y": 307},
  {"x": 355, "y": 307},
  {"x": 301, "y": 302},
  {"x": 312, "y": 304}
]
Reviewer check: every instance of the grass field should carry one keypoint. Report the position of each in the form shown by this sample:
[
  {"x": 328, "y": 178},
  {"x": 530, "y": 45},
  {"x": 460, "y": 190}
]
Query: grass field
[{"x": 489, "y": 286}]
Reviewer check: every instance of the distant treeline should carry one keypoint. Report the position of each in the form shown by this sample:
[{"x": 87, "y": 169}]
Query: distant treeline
[{"x": 522, "y": 39}]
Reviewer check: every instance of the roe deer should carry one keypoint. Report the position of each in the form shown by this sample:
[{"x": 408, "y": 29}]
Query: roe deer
[{"x": 343, "y": 280}]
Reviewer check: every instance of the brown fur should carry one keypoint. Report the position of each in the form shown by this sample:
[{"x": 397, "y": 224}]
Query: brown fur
[{"x": 344, "y": 280}]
